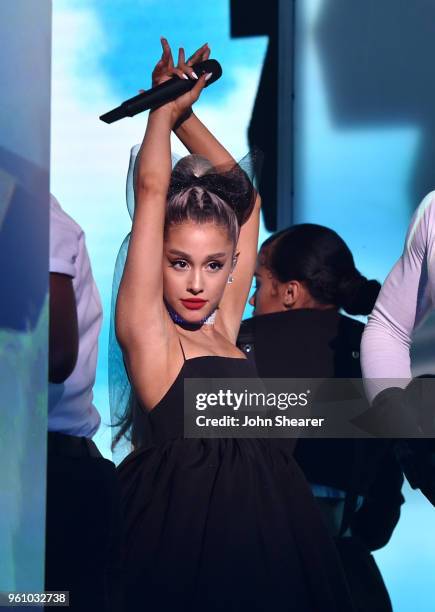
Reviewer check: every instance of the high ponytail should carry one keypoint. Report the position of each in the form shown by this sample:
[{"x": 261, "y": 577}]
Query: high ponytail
[{"x": 202, "y": 193}]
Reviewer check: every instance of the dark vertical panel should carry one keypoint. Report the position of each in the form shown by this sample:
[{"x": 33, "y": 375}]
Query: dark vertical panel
[
  {"x": 256, "y": 18},
  {"x": 285, "y": 123}
]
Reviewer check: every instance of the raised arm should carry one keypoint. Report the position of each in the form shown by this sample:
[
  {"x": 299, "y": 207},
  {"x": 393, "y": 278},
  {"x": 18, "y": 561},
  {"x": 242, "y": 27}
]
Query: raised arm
[
  {"x": 140, "y": 312},
  {"x": 404, "y": 300},
  {"x": 199, "y": 140},
  {"x": 143, "y": 326}
]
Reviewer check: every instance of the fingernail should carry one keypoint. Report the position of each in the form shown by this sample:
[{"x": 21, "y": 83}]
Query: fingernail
[
  {"x": 208, "y": 76},
  {"x": 195, "y": 76},
  {"x": 185, "y": 76}
]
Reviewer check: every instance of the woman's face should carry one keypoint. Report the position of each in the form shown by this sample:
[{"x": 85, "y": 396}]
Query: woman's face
[
  {"x": 271, "y": 295},
  {"x": 198, "y": 259},
  {"x": 266, "y": 297}
]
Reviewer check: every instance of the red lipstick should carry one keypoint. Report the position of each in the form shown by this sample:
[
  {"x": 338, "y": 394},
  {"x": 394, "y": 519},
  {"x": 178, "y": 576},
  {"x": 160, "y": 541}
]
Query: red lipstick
[{"x": 193, "y": 303}]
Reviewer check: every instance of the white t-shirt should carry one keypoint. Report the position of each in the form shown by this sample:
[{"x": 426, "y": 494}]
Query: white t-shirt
[
  {"x": 70, "y": 408},
  {"x": 406, "y": 297}
]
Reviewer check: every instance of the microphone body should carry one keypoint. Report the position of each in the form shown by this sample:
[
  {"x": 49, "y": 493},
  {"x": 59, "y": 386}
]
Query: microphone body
[{"x": 163, "y": 93}]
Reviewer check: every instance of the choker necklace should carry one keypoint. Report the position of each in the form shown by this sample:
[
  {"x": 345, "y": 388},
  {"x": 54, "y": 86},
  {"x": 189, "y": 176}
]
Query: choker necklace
[{"x": 209, "y": 320}]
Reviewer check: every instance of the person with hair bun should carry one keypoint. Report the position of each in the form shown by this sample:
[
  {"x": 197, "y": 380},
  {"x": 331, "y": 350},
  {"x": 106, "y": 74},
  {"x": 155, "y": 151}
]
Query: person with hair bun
[
  {"x": 304, "y": 275},
  {"x": 312, "y": 268},
  {"x": 210, "y": 524}
]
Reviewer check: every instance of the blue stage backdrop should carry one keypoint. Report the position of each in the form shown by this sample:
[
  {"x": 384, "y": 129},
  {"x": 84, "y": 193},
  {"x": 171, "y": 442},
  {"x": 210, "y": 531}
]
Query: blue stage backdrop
[
  {"x": 25, "y": 32},
  {"x": 363, "y": 161}
]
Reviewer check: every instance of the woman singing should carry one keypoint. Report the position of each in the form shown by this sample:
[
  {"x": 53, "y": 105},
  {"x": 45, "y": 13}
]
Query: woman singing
[{"x": 211, "y": 524}]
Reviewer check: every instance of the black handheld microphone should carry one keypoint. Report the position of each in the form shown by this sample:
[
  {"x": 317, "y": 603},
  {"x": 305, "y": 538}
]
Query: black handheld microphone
[{"x": 163, "y": 93}]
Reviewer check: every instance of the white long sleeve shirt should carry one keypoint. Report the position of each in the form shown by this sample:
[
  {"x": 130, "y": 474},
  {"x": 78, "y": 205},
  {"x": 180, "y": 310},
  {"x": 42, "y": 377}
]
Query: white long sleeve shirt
[{"x": 407, "y": 295}]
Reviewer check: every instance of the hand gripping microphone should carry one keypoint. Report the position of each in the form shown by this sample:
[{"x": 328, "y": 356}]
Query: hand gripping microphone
[{"x": 163, "y": 93}]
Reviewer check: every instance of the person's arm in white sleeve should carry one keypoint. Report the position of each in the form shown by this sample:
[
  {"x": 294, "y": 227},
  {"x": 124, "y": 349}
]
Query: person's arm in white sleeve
[
  {"x": 63, "y": 329},
  {"x": 404, "y": 299}
]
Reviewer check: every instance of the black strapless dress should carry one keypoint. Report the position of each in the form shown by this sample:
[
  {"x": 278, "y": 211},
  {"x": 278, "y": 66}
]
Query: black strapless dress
[{"x": 226, "y": 525}]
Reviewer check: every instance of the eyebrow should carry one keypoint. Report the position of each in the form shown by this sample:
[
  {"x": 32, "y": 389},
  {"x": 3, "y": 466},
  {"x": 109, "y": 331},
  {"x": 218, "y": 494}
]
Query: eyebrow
[{"x": 187, "y": 256}]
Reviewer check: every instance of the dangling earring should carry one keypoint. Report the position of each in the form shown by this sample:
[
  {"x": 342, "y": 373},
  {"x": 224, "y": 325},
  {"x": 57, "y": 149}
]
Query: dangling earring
[{"x": 230, "y": 279}]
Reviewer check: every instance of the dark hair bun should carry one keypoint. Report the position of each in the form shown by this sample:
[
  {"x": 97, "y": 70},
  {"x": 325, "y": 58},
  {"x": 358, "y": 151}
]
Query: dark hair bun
[
  {"x": 319, "y": 257},
  {"x": 357, "y": 295}
]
